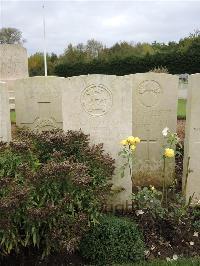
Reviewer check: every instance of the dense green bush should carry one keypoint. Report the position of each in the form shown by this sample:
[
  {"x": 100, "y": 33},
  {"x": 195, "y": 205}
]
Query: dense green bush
[
  {"x": 176, "y": 62},
  {"x": 195, "y": 215},
  {"x": 114, "y": 240},
  {"x": 52, "y": 186}
]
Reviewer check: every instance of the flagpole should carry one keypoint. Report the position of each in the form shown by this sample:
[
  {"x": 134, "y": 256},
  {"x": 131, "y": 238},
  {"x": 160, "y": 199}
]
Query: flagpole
[{"x": 44, "y": 32}]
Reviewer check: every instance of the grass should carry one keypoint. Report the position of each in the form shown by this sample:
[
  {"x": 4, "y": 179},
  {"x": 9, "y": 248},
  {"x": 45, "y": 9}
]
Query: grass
[
  {"x": 181, "y": 113},
  {"x": 12, "y": 116},
  {"x": 181, "y": 262}
]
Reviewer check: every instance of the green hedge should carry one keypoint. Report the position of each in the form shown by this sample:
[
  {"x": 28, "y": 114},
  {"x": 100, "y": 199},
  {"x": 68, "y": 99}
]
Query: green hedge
[
  {"x": 114, "y": 240},
  {"x": 176, "y": 62}
]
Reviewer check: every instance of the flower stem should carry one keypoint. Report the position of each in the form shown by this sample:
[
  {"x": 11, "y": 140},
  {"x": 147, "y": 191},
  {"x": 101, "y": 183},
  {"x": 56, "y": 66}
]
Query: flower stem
[{"x": 164, "y": 195}]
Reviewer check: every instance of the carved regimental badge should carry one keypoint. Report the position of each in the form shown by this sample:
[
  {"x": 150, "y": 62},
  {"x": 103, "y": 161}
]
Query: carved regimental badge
[
  {"x": 44, "y": 124},
  {"x": 149, "y": 92},
  {"x": 96, "y": 100}
]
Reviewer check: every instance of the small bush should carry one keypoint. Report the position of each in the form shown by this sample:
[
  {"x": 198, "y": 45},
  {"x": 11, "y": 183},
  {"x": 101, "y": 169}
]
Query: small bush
[
  {"x": 114, "y": 240},
  {"x": 195, "y": 215},
  {"x": 52, "y": 186}
]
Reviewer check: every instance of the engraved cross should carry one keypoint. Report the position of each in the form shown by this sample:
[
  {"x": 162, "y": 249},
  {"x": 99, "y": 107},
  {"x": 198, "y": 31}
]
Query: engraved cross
[{"x": 148, "y": 142}]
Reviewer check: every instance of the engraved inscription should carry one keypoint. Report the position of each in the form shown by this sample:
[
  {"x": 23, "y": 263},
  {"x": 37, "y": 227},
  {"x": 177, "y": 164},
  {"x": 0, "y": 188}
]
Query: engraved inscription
[
  {"x": 149, "y": 92},
  {"x": 96, "y": 100},
  {"x": 44, "y": 125}
]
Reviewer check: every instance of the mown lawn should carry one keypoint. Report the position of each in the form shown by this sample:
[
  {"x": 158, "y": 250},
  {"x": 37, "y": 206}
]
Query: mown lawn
[
  {"x": 181, "y": 262},
  {"x": 181, "y": 113}
]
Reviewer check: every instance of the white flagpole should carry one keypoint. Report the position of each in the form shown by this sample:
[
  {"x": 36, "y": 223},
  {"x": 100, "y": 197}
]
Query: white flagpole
[{"x": 44, "y": 32}]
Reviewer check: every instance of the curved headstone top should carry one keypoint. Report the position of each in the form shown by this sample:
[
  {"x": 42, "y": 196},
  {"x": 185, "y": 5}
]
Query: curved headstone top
[{"x": 13, "y": 62}]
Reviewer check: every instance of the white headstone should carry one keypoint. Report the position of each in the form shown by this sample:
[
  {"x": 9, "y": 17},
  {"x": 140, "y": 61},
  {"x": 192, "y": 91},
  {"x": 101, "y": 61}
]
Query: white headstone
[
  {"x": 101, "y": 105},
  {"x": 5, "y": 126},
  {"x": 155, "y": 97},
  {"x": 192, "y": 140},
  {"x": 13, "y": 62},
  {"x": 38, "y": 102}
]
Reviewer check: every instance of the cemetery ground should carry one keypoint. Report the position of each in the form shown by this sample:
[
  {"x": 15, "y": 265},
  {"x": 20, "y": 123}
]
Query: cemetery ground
[{"x": 149, "y": 234}]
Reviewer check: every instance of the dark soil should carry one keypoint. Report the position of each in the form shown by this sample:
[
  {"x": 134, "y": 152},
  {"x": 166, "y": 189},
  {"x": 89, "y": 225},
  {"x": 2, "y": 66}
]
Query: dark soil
[
  {"x": 32, "y": 258},
  {"x": 166, "y": 237}
]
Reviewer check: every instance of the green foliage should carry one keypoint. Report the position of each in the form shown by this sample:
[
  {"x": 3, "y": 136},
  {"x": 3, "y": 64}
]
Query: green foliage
[
  {"x": 114, "y": 240},
  {"x": 149, "y": 200},
  {"x": 12, "y": 116},
  {"x": 176, "y": 63},
  {"x": 195, "y": 215},
  {"x": 52, "y": 186},
  {"x": 11, "y": 36},
  {"x": 160, "y": 69},
  {"x": 182, "y": 108},
  {"x": 179, "y": 262},
  {"x": 36, "y": 64},
  {"x": 122, "y": 58}
]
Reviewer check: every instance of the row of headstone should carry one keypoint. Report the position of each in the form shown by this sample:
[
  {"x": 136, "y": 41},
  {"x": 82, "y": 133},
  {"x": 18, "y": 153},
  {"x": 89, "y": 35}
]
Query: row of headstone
[{"x": 109, "y": 108}]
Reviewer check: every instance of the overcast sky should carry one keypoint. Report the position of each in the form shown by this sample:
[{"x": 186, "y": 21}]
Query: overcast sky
[{"x": 106, "y": 21}]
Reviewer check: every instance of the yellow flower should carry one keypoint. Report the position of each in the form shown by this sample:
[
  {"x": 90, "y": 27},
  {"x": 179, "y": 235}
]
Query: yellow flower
[
  {"x": 132, "y": 147},
  {"x": 169, "y": 152},
  {"x": 137, "y": 140},
  {"x": 124, "y": 142},
  {"x": 131, "y": 140}
]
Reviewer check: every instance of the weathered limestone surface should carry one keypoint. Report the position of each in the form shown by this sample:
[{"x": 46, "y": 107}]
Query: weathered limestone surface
[
  {"x": 101, "y": 105},
  {"x": 154, "y": 104},
  {"x": 13, "y": 62},
  {"x": 38, "y": 102},
  {"x": 192, "y": 139},
  {"x": 13, "y": 65},
  {"x": 5, "y": 126}
]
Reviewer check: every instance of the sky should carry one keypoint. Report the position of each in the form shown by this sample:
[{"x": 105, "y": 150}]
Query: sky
[{"x": 106, "y": 21}]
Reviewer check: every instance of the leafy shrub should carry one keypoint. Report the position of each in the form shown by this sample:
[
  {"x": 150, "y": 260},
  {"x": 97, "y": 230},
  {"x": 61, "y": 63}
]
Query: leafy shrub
[
  {"x": 114, "y": 240},
  {"x": 148, "y": 200},
  {"x": 52, "y": 186},
  {"x": 159, "y": 69},
  {"x": 195, "y": 215}
]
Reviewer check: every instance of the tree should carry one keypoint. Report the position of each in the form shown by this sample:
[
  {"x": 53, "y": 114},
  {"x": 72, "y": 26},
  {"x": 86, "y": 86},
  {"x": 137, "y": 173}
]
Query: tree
[
  {"x": 93, "y": 48},
  {"x": 36, "y": 64},
  {"x": 11, "y": 36}
]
